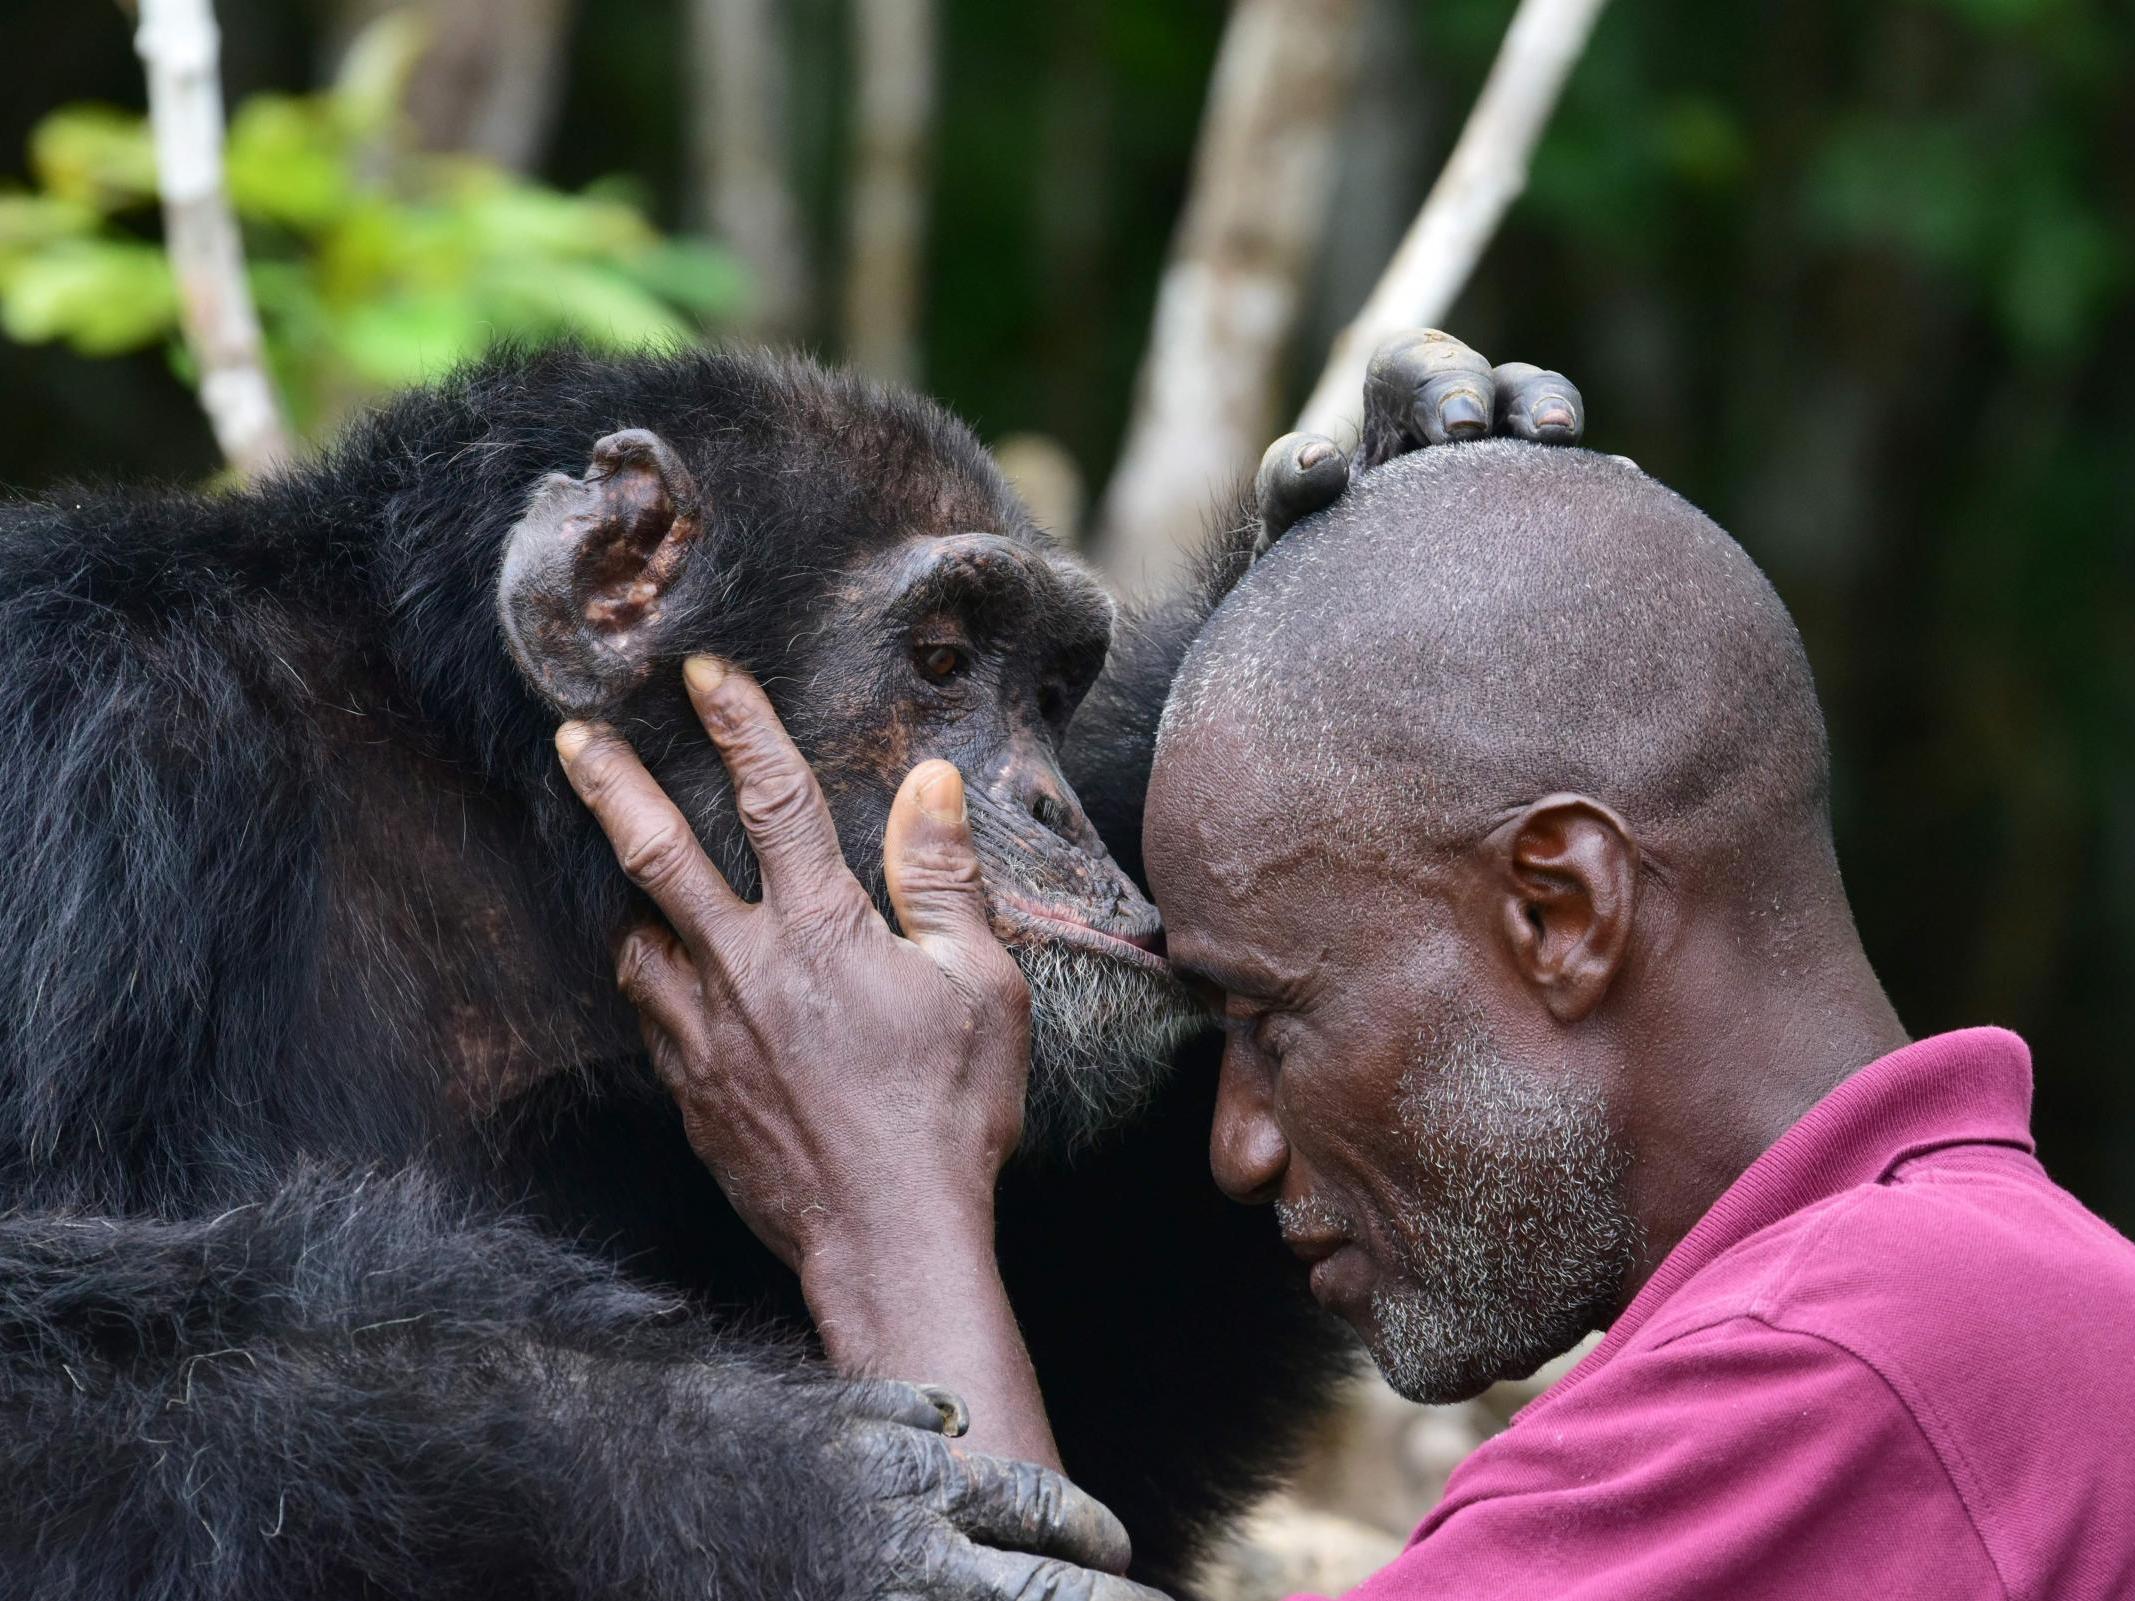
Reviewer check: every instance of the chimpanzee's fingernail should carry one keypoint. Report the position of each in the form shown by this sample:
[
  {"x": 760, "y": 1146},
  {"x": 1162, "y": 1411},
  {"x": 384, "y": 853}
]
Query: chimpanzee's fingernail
[
  {"x": 704, "y": 673},
  {"x": 1314, "y": 452},
  {"x": 955, "y": 1416},
  {"x": 1552, "y": 411},
  {"x": 1462, "y": 416},
  {"x": 941, "y": 795},
  {"x": 571, "y": 739}
]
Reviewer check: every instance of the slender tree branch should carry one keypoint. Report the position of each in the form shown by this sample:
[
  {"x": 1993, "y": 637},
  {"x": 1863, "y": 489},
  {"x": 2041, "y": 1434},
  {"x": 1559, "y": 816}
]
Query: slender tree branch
[
  {"x": 1485, "y": 174},
  {"x": 1231, "y": 295},
  {"x": 892, "y": 124},
  {"x": 739, "y": 49},
  {"x": 178, "y": 43}
]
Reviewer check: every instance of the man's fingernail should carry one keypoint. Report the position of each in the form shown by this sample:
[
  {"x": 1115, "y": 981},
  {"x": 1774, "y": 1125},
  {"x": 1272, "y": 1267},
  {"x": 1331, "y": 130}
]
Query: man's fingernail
[
  {"x": 1462, "y": 416},
  {"x": 572, "y": 738},
  {"x": 941, "y": 796},
  {"x": 704, "y": 673}
]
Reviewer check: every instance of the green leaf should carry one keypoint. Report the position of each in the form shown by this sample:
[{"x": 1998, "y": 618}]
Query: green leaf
[
  {"x": 102, "y": 296},
  {"x": 524, "y": 219},
  {"x": 29, "y": 223},
  {"x": 407, "y": 339},
  {"x": 98, "y": 156},
  {"x": 288, "y": 162},
  {"x": 594, "y": 302},
  {"x": 694, "y": 274}
]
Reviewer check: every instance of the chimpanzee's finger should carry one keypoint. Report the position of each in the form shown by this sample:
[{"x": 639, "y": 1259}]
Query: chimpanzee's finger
[
  {"x": 927, "y": 1407},
  {"x": 981, "y": 1573},
  {"x": 1020, "y": 1506},
  {"x": 775, "y": 790},
  {"x": 1423, "y": 388},
  {"x": 653, "y": 841},
  {"x": 1538, "y": 405},
  {"x": 1299, "y": 474}
]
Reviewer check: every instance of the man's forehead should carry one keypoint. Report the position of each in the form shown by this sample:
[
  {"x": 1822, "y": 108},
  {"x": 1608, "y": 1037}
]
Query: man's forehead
[{"x": 1216, "y": 806}]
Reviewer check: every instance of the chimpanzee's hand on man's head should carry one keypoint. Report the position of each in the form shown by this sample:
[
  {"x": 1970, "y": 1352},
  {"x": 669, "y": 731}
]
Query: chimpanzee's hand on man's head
[{"x": 1422, "y": 388}]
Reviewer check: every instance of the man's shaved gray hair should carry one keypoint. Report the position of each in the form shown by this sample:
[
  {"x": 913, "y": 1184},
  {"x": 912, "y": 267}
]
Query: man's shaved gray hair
[{"x": 1477, "y": 626}]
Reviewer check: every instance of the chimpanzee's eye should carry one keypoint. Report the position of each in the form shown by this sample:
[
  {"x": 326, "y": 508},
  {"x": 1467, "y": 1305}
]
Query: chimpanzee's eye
[{"x": 939, "y": 663}]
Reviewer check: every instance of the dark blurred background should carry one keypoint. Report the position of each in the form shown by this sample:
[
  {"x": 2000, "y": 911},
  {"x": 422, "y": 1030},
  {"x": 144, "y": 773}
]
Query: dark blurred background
[{"x": 1853, "y": 277}]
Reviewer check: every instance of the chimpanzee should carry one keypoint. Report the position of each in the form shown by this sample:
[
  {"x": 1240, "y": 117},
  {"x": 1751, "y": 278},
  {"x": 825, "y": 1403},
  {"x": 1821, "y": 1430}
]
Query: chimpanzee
[{"x": 348, "y": 1247}]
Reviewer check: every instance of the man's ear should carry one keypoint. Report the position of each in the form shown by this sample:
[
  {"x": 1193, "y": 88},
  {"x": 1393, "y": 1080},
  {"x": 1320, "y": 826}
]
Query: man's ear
[
  {"x": 1567, "y": 881},
  {"x": 590, "y": 566}
]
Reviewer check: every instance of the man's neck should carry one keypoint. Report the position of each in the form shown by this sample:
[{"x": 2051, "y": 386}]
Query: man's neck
[{"x": 1723, "y": 1080}]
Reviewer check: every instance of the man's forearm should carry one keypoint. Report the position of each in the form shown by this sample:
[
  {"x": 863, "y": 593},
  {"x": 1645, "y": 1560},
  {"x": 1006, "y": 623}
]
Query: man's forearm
[{"x": 919, "y": 1297}]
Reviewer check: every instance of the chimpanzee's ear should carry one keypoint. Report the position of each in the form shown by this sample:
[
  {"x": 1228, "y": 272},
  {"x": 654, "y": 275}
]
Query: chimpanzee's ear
[{"x": 589, "y": 568}]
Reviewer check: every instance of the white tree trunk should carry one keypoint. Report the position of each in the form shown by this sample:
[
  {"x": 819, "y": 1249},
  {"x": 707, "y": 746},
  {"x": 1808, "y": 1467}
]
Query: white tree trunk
[
  {"x": 1230, "y": 298},
  {"x": 178, "y": 43},
  {"x": 739, "y": 59},
  {"x": 1482, "y": 178},
  {"x": 892, "y": 125}
]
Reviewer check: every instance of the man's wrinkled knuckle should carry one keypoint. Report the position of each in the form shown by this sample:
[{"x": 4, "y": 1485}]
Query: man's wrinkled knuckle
[
  {"x": 657, "y": 859},
  {"x": 636, "y": 968},
  {"x": 940, "y": 872},
  {"x": 779, "y": 802}
]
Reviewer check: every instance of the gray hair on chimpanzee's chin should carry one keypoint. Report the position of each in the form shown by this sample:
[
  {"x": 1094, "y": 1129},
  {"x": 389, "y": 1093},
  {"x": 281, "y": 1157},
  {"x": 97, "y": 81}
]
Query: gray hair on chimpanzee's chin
[{"x": 1102, "y": 1037}]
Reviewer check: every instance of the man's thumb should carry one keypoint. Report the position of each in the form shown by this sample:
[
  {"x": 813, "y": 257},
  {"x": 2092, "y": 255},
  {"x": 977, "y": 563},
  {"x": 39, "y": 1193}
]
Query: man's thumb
[{"x": 931, "y": 865}]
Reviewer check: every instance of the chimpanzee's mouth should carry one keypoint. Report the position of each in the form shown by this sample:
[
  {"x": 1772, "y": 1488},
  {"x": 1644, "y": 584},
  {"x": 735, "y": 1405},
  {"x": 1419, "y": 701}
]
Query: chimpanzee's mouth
[{"x": 1017, "y": 920}]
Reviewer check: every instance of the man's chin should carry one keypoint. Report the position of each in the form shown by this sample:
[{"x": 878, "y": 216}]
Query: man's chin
[
  {"x": 1103, "y": 1034},
  {"x": 1438, "y": 1360}
]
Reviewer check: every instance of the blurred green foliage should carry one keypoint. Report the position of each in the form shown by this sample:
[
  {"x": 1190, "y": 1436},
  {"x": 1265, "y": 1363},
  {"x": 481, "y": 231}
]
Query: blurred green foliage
[{"x": 373, "y": 266}]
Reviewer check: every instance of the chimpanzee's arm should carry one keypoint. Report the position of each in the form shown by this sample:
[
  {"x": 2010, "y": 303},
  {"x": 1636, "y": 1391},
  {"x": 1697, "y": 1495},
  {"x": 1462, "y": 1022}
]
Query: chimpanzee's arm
[
  {"x": 1421, "y": 389},
  {"x": 358, "y": 1389}
]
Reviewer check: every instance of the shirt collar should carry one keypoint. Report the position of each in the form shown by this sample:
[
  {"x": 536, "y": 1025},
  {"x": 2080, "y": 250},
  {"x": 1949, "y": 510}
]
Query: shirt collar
[{"x": 1970, "y": 1087}]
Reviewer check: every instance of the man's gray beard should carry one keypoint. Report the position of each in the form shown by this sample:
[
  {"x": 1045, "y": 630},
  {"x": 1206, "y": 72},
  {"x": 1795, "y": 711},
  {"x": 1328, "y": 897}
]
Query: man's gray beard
[
  {"x": 1526, "y": 1241},
  {"x": 1102, "y": 1037}
]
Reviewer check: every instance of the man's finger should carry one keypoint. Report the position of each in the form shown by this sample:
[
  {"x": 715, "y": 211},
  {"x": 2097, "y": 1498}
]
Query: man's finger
[
  {"x": 1538, "y": 405},
  {"x": 775, "y": 791},
  {"x": 1020, "y": 1506},
  {"x": 656, "y": 976},
  {"x": 932, "y": 867},
  {"x": 652, "y": 839}
]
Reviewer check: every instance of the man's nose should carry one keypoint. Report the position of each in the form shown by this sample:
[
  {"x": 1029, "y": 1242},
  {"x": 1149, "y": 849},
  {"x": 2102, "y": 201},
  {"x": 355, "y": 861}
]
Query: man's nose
[{"x": 1246, "y": 1150}]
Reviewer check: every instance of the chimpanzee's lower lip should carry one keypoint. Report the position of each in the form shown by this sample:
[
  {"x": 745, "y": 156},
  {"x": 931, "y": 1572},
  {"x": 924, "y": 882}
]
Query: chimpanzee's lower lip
[{"x": 1139, "y": 950}]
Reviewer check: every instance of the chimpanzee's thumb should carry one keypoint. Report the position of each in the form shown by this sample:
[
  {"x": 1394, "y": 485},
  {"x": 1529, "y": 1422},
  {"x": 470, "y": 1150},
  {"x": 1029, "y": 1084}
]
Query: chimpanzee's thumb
[{"x": 933, "y": 868}]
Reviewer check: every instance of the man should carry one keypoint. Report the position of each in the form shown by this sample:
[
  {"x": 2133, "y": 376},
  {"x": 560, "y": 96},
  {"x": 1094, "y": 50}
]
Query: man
[{"x": 1490, "y": 815}]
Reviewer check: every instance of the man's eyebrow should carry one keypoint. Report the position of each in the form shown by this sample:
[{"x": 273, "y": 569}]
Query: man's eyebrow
[{"x": 1213, "y": 973}]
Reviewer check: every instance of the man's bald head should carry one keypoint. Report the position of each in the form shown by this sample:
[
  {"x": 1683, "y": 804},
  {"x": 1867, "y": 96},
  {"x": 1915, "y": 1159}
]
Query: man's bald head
[
  {"x": 1472, "y": 628},
  {"x": 1490, "y": 810}
]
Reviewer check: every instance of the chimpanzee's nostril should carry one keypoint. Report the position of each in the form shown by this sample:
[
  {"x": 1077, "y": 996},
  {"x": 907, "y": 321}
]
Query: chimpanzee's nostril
[{"x": 1050, "y": 810}]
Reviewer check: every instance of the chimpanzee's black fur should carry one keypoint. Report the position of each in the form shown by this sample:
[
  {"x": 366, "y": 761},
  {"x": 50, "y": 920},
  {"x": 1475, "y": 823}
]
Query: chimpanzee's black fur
[{"x": 279, "y": 1317}]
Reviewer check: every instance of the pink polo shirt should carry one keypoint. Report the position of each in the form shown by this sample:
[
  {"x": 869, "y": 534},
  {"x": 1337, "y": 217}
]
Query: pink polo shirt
[{"x": 1894, "y": 1361}]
